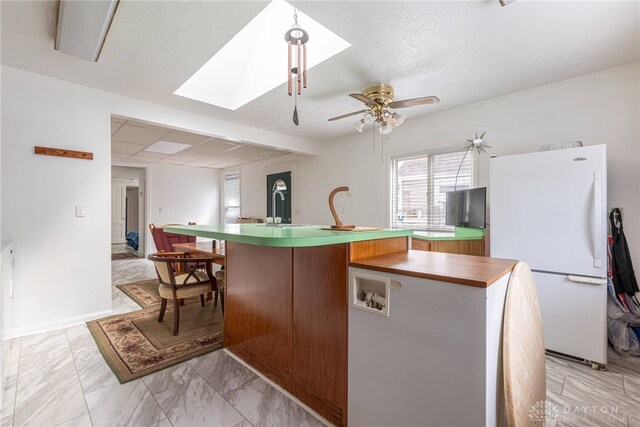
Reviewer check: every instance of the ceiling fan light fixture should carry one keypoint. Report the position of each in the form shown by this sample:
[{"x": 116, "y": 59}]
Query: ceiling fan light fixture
[
  {"x": 369, "y": 117},
  {"x": 392, "y": 123},
  {"x": 380, "y": 108},
  {"x": 359, "y": 125},
  {"x": 385, "y": 129}
]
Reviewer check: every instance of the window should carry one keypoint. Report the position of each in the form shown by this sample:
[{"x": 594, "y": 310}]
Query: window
[
  {"x": 419, "y": 185},
  {"x": 231, "y": 198}
]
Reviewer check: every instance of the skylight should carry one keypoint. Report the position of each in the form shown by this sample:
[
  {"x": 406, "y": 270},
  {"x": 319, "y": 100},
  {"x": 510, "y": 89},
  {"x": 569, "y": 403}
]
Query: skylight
[{"x": 254, "y": 61}]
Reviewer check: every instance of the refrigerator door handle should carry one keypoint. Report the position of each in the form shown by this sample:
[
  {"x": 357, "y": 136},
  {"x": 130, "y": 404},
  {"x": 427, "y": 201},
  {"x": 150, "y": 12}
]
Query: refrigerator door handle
[
  {"x": 597, "y": 219},
  {"x": 588, "y": 280}
]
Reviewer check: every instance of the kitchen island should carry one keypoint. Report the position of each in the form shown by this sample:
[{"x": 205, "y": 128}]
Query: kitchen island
[
  {"x": 286, "y": 304},
  {"x": 287, "y": 301}
]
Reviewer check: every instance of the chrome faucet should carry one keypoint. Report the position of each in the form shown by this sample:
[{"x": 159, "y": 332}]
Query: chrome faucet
[{"x": 273, "y": 201}]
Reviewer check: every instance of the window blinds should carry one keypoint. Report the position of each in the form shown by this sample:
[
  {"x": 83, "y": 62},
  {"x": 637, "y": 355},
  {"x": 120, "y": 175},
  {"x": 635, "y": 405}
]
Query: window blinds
[
  {"x": 419, "y": 186},
  {"x": 231, "y": 198}
]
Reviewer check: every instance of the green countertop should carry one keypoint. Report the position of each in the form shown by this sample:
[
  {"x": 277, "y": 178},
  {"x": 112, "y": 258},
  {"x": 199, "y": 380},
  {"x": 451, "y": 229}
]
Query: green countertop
[
  {"x": 460, "y": 233},
  {"x": 299, "y": 236}
]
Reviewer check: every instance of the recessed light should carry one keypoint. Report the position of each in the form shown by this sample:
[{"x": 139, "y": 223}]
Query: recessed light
[
  {"x": 166, "y": 147},
  {"x": 251, "y": 63}
]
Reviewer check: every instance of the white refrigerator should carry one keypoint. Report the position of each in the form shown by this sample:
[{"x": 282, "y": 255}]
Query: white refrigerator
[{"x": 549, "y": 209}]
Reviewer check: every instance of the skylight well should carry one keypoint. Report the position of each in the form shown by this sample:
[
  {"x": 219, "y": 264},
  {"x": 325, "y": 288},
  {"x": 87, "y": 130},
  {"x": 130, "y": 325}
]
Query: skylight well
[{"x": 251, "y": 63}]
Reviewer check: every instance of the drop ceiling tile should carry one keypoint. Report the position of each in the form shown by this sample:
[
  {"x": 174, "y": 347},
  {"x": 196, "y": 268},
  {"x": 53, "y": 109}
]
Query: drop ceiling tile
[
  {"x": 139, "y": 135},
  {"x": 148, "y": 157},
  {"x": 115, "y": 126},
  {"x": 246, "y": 152},
  {"x": 125, "y": 147},
  {"x": 199, "y": 164},
  {"x": 148, "y": 126},
  {"x": 230, "y": 164},
  {"x": 187, "y": 156},
  {"x": 212, "y": 146},
  {"x": 120, "y": 155},
  {"x": 185, "y": 137},
  {"x": 170, "y": 160},
  {"x": 238, "y": 162}
]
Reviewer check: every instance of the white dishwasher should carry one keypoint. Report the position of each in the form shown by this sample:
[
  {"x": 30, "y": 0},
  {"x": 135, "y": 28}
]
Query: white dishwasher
[{"x": 424, "y": 352}]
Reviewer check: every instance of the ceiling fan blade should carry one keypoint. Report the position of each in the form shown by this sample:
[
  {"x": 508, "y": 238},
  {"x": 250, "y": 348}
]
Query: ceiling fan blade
[
  {"x": 482, "y": 136},
  {"x": 360, "y": 97},
  {"x": 347, "y": 115},
  {"x": 414, "y": 102}
]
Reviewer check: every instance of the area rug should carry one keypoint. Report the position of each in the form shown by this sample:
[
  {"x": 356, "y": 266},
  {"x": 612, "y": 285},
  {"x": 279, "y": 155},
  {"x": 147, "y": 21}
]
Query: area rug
[
  {"x": 144, "y": 293},
  {"x": 124, "y": 255},
  {"x": 135, "y": 344}
]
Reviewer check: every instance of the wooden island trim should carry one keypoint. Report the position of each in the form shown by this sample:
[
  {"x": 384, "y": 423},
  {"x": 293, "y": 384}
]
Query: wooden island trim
[{"x": 467, "y": 270}]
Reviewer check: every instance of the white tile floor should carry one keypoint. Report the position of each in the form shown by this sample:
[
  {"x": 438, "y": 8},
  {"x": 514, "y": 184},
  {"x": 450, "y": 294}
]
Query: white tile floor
[{"x": 60, "y": 378}]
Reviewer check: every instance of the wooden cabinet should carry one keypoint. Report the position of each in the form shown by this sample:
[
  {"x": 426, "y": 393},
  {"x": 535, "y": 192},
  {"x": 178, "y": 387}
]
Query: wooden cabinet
[
  {"x": 286, "y": 314},
  {"x": 462, "y": 247},
  {"x": 320, "y": 329},
  {"x": 258, "y": 318}
]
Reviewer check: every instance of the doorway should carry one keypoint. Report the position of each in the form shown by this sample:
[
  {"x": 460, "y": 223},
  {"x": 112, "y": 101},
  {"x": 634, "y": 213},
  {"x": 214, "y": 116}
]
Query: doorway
[
  {"x": 127, "y": 210},
  {"x": 279, "y": 196}
]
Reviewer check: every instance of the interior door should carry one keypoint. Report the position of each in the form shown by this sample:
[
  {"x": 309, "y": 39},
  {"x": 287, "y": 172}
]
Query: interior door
[
  {"x": 549, "y": 210},
  {"x": 118, "y": 212}
]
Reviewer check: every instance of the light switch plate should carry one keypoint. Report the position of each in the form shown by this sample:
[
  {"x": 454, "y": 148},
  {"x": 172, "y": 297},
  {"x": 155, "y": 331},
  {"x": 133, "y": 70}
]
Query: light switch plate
[{"x": 79, "y": 211}]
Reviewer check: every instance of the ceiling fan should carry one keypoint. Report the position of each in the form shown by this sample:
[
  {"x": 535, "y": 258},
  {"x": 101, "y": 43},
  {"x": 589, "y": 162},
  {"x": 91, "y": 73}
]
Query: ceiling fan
[{"x": 378, "y": 100}]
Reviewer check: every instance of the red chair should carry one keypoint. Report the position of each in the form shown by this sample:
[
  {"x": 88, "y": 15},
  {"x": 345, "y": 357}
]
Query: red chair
[{"x": 164, "y": 241}]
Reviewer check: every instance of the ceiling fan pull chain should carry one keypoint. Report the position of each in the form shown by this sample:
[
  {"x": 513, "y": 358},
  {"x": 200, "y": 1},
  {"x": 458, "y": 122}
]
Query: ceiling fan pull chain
[{"x": 375, "y": 126}]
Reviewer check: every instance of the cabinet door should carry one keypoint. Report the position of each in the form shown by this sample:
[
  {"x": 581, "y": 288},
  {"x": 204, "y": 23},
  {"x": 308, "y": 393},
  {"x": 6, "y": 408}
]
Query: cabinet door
[
  {"x": 420, "y": 245},
  {"x": 320, "y": 329},
  {"x": 258, "y": 308},
  {"x": 462, "y": 247}
]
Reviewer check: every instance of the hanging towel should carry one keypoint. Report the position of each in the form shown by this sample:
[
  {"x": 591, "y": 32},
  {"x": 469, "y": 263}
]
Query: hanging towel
[{"x": 624, "y": 278}]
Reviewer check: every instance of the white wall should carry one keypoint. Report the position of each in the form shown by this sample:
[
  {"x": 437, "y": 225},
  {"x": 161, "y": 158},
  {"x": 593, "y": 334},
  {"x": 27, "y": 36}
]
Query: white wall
[
  {"x": 62, "y": 263},
  {"x": 179, "y": 194},
  {"x": 599, "y": 108}
]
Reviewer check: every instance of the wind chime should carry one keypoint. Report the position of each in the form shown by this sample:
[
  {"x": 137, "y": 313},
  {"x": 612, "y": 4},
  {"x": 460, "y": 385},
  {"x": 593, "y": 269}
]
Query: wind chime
[{"x": 296, "y": 39}]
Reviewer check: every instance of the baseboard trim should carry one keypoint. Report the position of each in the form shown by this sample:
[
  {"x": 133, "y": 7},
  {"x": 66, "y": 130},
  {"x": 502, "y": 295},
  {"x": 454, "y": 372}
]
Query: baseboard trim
[
  {"x": 52, "y": 326},
  {"x": 279, "y": 388}
]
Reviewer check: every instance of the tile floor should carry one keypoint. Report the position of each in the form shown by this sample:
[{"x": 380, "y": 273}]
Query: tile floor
[{"x": 60, "y": 378}]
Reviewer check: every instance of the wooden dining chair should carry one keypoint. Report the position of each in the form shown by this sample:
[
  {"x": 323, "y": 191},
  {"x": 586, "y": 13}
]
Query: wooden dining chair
[
  {"x": 188, "y": 281},
  {"x": 164, "y": 241}
]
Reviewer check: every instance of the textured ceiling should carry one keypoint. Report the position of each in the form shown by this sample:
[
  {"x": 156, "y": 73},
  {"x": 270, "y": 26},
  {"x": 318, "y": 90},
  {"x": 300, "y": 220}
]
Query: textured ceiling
[
  {"x": 460, "y": 51},
  {"x": 130, "y": 138}
]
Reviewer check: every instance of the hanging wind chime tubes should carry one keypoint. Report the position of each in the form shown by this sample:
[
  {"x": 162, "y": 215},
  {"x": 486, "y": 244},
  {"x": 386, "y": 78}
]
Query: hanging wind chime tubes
[{"x": 297, "y": 39}]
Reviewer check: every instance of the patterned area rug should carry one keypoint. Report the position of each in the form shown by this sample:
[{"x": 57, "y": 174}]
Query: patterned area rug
[
  {"x": 144, "y": 293},
  {"x": 135, "y": 344},
  {"x": 124, "y": 255}
]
